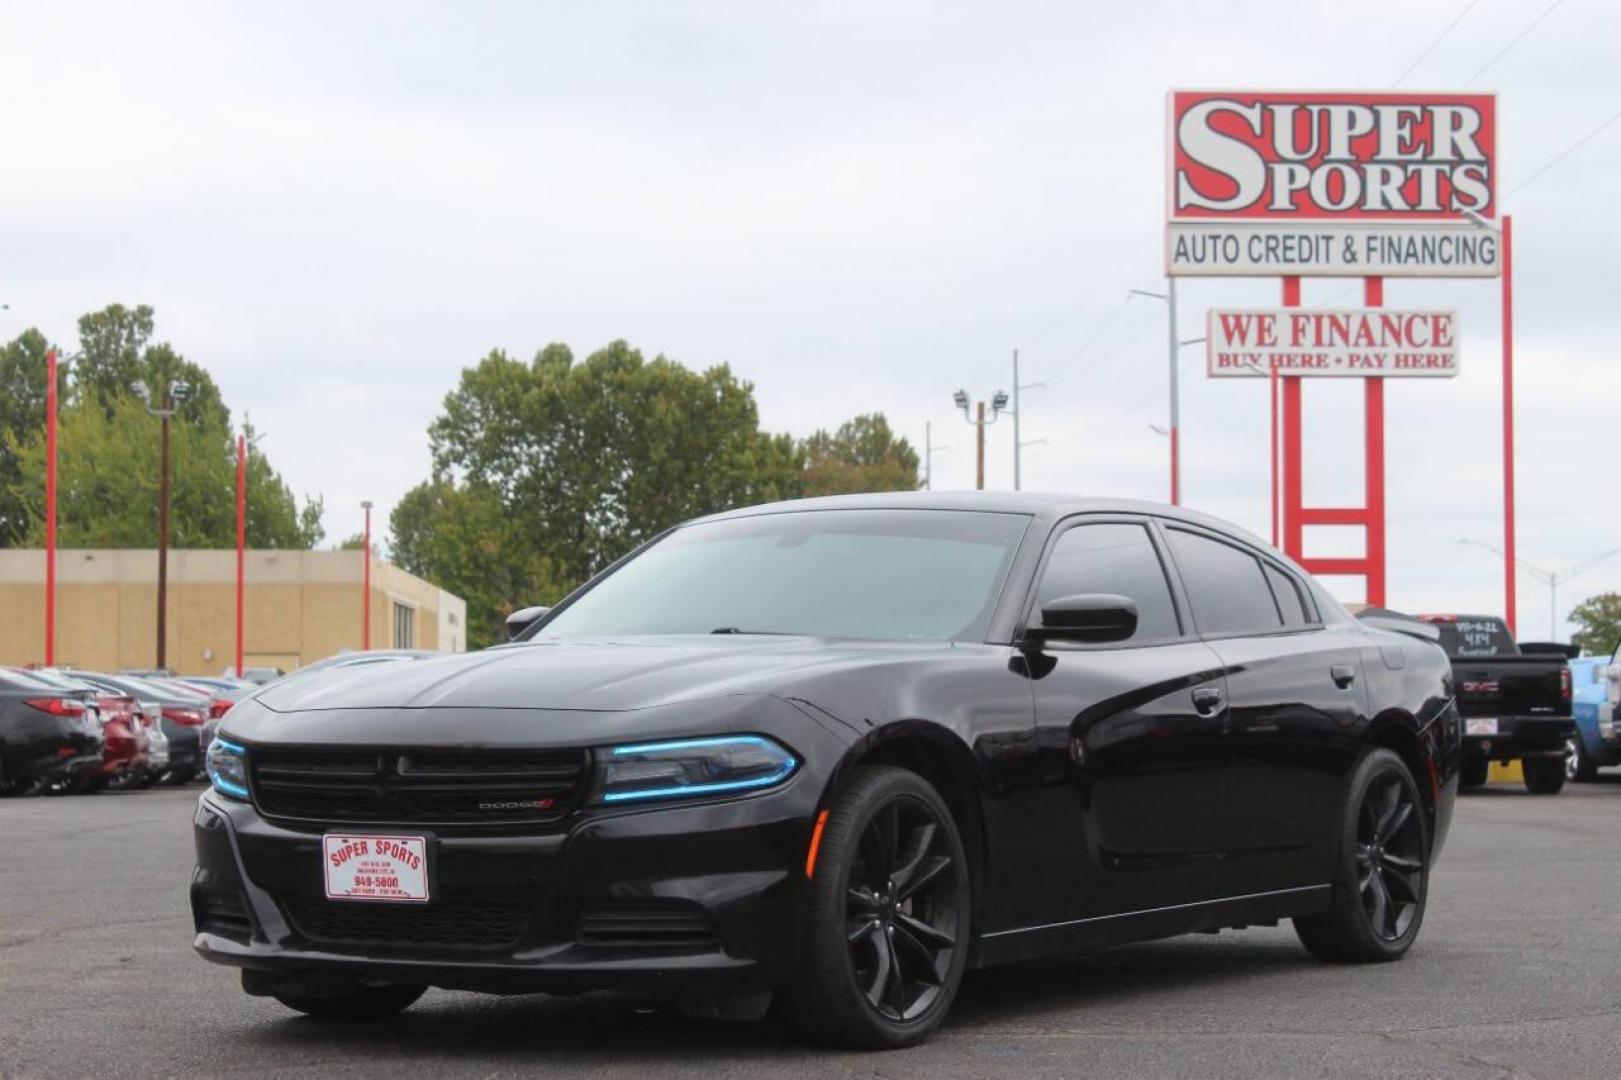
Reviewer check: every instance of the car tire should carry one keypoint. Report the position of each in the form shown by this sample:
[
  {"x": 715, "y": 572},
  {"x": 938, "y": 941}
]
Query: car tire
[
  {"x": 1579, "y": 764},
  {"x": 1544, "y": 776},
  {"x": 353, "y": 1002},
  {"x": 1473, "y": 772},
  {"x": 885, "y": 946},
  {"x": 1381, "y": 882}
]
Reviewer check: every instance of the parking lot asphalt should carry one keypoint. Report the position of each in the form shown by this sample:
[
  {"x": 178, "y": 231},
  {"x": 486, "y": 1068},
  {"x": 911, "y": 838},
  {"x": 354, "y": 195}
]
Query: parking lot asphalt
[{"x": 1517, "y": 972}]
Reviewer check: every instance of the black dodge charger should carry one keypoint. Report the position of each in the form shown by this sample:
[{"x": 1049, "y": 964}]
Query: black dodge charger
[{"x": 827, "y": 755}]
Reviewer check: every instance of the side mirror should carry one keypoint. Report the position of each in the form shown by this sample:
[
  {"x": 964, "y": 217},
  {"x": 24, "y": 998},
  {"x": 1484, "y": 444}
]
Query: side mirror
[
  {"x": 523, "y": 619},
  {"x": 1094, "y": 618}
]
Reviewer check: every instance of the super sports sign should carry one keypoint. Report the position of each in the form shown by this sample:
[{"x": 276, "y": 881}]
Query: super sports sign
[{"x": 1272, "y": 183}]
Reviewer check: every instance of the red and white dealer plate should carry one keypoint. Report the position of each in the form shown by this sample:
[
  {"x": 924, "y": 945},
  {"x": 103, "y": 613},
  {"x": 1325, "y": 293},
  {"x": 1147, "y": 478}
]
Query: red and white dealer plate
[{"x": 360, "y": 866}]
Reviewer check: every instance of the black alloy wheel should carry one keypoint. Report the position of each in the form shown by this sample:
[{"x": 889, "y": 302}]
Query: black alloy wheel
[
  {"x": 1380, "y": 888},
  {"x": 1390, "y": 857},
  {"x": 901, "y": 909},
  {"x": 888, "y": 921}
]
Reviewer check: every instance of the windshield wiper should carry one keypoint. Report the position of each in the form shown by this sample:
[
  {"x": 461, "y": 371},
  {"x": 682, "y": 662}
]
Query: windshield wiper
[{"x": 739, "y": 630}]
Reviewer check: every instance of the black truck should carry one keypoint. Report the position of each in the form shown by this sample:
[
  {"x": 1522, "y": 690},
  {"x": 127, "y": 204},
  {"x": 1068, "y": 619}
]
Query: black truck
[{"x": 1514, "y": 700}]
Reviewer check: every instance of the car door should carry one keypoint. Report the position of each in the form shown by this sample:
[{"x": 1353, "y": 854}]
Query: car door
[
  {"x": 1296, "y": 710},
  {"x": 1131, "y": 733}
]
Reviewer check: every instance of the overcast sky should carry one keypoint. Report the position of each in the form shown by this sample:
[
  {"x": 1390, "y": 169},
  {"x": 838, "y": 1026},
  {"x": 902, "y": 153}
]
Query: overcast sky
[{"x": 335, "y": 207}]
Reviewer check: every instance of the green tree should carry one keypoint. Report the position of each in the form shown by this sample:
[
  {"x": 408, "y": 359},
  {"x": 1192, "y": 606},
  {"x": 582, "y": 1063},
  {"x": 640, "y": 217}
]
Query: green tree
[
  {"x": 863, "y": 455},
  {"x": 462, "y": 539},
  {"x": 107, "y": 482},
  {"x": 596, "y": 457},
  {"x": 115, "y": 361},
  {"x": 1598, "y": 619},
  {"x": 547, "y": 471}
]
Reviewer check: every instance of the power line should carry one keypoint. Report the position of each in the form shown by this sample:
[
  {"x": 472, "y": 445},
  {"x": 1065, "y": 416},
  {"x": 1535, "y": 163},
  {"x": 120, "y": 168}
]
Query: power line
[
  {"x": 1102, "y": 326},
  {"x": 1532, "y": 25},
  {"x": 1562, "y": 155},
  {"x": 1467, "y": 8}
]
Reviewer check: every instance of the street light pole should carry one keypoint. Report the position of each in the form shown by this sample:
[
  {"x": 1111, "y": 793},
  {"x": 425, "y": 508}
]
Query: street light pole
[
  {"x": 999, "y": 402},
  {"x": 241, "y": 538},
  {"x": 365, "y": 587}
]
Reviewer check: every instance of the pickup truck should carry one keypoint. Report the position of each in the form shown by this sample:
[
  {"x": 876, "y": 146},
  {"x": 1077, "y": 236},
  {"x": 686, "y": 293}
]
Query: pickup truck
[
  {"x": 1597, "y": 741},
  {"x": 1515, "y": 701}
]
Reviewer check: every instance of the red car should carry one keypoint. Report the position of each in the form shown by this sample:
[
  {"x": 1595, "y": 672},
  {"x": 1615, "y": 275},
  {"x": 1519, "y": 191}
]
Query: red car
[{"x": 125, "y": 746}]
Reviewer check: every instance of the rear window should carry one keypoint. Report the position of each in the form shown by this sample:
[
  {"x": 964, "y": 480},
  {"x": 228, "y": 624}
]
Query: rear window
[{"x": 1473, "y": 636}]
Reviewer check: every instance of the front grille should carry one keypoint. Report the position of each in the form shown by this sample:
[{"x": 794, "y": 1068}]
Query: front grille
[
  {"x": 646, "y": 922},
  {"x": 437, "y": 925},
  {"x": 221, "y": 913},
  {"x": 444, "y": 787}
]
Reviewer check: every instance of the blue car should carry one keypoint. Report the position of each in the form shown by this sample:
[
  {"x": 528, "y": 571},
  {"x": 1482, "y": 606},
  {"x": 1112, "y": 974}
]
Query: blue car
[{"x": 1597, "y": 741}]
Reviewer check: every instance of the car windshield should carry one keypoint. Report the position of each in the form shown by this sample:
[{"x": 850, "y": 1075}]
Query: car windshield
[{"x": 889, "y": 574}]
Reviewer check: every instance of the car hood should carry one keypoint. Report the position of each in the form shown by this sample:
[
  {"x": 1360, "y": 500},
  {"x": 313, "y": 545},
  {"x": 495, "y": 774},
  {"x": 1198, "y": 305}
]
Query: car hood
[{"x": 600, "y": 676}]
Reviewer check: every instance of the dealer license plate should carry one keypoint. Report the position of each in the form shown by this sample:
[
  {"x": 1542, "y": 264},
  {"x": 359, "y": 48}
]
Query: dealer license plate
[
  {"x": 361, "y": 866},
  {"x": 1487, "y": 726}
]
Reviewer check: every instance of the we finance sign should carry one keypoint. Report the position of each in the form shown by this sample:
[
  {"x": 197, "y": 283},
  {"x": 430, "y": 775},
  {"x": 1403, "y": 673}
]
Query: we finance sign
[
  {"x": 1307, "y": 342},
  {"x": 1348, "y": 184}
]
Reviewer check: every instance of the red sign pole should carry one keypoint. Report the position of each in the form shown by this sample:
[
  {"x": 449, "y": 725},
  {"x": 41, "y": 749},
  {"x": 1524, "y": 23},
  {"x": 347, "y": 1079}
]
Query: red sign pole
[
  {"x": 1272, "y": 378},
  {"x": 50, "y": 507},
  {"x": 1293, "y": 489},
  {"x": 365, "y": 604},
  {"x": 241, "y": 537},
  {"x": 1373, "y": 474},
  {"x": 1509, "y": 605}
]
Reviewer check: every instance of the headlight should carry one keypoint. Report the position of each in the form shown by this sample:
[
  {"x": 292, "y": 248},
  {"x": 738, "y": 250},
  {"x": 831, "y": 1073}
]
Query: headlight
[
  {"x": 685, "y": 767},
  {"x": 228, "y": 768}
]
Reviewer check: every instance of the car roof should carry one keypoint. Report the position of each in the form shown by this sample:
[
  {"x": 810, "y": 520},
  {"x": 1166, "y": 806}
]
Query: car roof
[{"x": 1047, "y": 505}]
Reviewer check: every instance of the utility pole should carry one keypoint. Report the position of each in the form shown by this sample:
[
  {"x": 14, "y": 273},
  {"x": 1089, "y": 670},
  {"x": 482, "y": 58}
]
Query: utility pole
[
  {"x": 999, "y": 402},
  {"x": 1169, "y": 296},
  {"x": 1550, "y": 578},
  {"x": 929, "y": 450},
  {"x": 1018, "y": 444},
  {"x": 176, "y": 393},
  {"x": 50, "y": 508}
]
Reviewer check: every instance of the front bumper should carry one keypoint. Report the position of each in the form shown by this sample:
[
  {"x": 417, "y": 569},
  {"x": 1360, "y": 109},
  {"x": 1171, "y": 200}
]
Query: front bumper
[
  {"x": 518, "y": 913},
  {"x": 1518, "y": 737}
]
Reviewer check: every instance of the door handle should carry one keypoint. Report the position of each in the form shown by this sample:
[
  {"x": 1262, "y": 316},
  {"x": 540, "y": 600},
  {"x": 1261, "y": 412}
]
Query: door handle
[
  {"x": 1343, "y": 675},
  {"x": 1208, "y": 700}
]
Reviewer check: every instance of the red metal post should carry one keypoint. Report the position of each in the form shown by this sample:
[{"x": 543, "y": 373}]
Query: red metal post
[
  {"x": 1272, "y": 379},
  {"x": 1293, "y": 490},
  {"x": 50, "y": 507},
  {"x": 365, "y": 604},
  {"x": 241, "y": 536},
  {"x": 1374, "y": 464},
  {"x": 1509, "y": 598}
]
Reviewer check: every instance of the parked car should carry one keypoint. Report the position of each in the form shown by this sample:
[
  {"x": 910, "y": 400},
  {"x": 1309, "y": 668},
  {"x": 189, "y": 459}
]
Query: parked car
[
  {"x": 256, "y": 675},
  {"x": 181, "y": 715},
  {"x": 1515, "y": 703},
  {"x": 49, "y": 736},
  {"x": 125, "y": 746},
  {"x": 1596, "y": 743},
  {"x": 840, "y": 750}
]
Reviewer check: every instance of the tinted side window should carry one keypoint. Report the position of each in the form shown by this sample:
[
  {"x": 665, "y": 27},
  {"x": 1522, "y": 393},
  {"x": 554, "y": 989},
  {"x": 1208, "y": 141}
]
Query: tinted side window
[
  {"x": 1291, "y": 601},
  {"x": 1113, "y": 558},
  {"x": 1225, "y": 585}
]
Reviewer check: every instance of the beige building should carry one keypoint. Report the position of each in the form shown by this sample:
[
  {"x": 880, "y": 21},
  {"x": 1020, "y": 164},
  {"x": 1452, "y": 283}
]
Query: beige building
[{"x": 300, "y": 606}]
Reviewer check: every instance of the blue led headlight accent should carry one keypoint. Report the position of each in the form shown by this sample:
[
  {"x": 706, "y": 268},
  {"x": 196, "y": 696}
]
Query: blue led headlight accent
[
  {"x": 228, "y": 768},
  {"x": 681, "y": 768}
]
